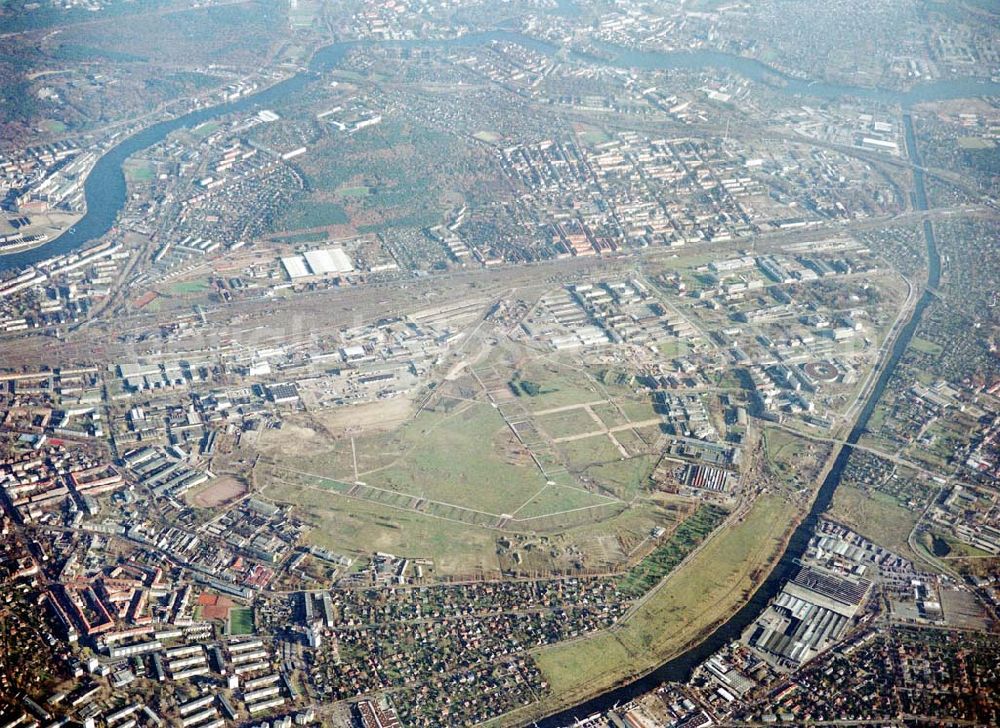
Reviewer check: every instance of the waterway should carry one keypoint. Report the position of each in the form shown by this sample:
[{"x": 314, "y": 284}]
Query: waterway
[
  {"x": 105, "y": 190},
  {"x": 679, "y": 668},
  {"x": 760, "y": 72},
  {"x": 105, "y": 194}
]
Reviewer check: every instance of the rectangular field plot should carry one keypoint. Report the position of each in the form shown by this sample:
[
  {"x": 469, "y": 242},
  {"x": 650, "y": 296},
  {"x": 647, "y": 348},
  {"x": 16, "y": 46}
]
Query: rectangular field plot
[
  {"x": 634, "y": 442},
  {"x": 581, "y": 454},
  {"x": 609, "y": 414},
  {"x": 559, "y": 522},
  {"x": 568, "y": 423},
  {"x": 554, "y": 499},
  {"x": 463, "y": 459},
  {"x": 637, "y": 410},
  {"x": 624, "y": 478}
]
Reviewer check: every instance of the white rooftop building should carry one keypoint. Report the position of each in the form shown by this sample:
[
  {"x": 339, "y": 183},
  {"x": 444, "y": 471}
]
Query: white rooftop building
[
  {"x": 323, "y": 262},
  {"x": 329, "y": 260},
  {"x": 295, "y": 266}
]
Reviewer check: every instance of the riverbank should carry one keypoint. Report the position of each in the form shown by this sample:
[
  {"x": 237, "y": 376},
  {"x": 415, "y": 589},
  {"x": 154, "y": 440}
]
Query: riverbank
[
  {"x": 679, "y": 668},
  {"x": 105, "y": 189},
  {"x": 48, "y": 224},
  {"x": 696, "y": 598}
]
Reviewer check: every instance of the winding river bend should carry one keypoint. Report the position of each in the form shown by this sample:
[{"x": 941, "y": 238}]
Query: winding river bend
[{"x": 105, "y": 193}]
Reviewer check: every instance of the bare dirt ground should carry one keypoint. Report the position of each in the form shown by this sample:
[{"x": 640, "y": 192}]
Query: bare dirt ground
[
  {"x": 293, "y": 439},
  {"x": 377, "y": 416},
  {"x": 219, "y": 492},
  {"x": 303, "y": 435}
]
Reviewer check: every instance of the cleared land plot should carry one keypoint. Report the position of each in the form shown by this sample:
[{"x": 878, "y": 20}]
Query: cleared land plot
[
  {"x": 300, "y": 447},
  {"x": 451, "y": 459},
  {"x": 696, "y": 597},
  {"x": 569, "y": 422},
  {"x": 359, "y": 528},
  {"x": 559, "y": 498},
  {"x": 217, "y": 492},
  {"x": 370, "y": 416}
]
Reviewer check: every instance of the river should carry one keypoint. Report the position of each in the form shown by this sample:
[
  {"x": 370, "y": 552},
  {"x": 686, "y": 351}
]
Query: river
[
  {"x": 679, "y": 668},
  {"x": 105, "y": 191}
]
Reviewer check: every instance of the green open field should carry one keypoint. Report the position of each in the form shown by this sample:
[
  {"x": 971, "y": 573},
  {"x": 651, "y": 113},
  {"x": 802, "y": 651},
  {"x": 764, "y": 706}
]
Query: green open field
[
  {"x": 592, "y": 136},
  {"x": 456, "y": 467},
  {"x": 674, "y": 348},
  {"x": 612, "y": 539},
  {"x": 609, "y": 414},
  {"x": 241, "y": 620},
  {"x": 632, "y": 441},
  {"x": 697, "y": 596},
  {"x": 559, "y": 498},
  {"x": 453, "y": 458},
  {"x": 960, "y": 549},
  {"x": 600, "y": 534},
  {"x": 783, "y": 446},
  {"x": 203, "y": 130},
  {"x": 792, "y": 457},
  {"x": 559, "y": 385},
  {"x": 569, "y": 422},
  {"x": 352, "y": 192},
  {"x": 925, "y": 347},
  {"x": 137, "y": 170},
  {"x": 647, "y": 573},
  {"x": 637, "y": 410},
  {"x": 706, "y": 589},
  {"x": 54, "y": 126},
  {"x": 489, "y": 137},
  {"x": 972, "y": 142},
  {"x": 358, "y": 528},
  {"x": 877, "y": 517},
  {"x": 625, "y": 478},
  {"x": 437, "y": 486},
  {"x": 187, "y": 288},
  {"x": 579, "y": 455}
]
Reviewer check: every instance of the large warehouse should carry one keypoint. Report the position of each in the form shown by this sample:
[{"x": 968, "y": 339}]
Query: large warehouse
[{"x": 318, "y": 263}]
